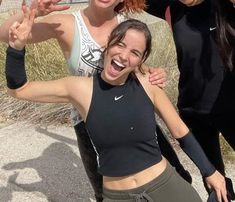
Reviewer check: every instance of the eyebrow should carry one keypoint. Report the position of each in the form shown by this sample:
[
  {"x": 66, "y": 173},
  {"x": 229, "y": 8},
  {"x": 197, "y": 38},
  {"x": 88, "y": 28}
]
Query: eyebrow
[{"x": 134, "y": 50}]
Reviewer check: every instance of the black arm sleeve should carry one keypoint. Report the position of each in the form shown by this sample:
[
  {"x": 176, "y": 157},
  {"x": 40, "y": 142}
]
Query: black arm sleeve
[
  {"x": 15, "y": 68},
  {"x": 192, "y": 148}
]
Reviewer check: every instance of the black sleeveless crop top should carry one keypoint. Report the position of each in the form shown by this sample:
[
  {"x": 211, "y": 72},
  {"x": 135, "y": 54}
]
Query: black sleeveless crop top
[{"x": 121, "y": 124}]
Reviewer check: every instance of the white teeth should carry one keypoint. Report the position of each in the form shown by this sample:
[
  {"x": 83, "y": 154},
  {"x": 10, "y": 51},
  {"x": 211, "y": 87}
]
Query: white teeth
[{"x": 118, "y": 63}]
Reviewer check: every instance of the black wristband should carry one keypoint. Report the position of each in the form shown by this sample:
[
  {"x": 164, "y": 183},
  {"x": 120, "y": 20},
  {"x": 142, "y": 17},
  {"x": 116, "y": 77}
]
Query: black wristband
[
  {"x": 192, "y": 148},
  {"x": 15, "y": 68}
]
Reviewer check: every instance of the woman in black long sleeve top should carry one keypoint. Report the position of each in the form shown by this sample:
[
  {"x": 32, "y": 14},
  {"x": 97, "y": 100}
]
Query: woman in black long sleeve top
[{"x": 206, "y": 85}]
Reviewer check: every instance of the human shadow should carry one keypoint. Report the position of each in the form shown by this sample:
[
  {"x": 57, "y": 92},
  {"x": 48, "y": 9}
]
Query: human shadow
[
  {"x": 5, "y": 194},
  {"x": 55, "y": 136},
  {"x": 61, "y": 172}
]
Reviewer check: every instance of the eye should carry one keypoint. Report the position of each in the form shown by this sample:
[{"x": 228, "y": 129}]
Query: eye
[
  {"x": 120, "y": 44},
  {"x": 136, "y": 53}
]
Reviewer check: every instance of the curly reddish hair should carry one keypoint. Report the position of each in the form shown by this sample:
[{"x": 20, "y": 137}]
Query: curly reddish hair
[{"x": 131, "y": 6}]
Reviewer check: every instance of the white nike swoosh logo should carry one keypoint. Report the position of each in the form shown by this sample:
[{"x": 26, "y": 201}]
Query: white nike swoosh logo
[
  {"x": 118, "y": 98},
  {"x": 212, "y": 28}
]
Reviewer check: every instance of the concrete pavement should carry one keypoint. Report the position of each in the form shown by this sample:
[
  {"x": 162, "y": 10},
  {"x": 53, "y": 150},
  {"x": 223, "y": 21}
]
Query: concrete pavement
[{"x": 42, "y": 164}]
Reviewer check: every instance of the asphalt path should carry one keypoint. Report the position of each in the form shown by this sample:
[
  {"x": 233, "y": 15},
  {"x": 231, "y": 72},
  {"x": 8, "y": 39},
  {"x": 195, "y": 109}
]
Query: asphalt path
[{"x": 43, "y": 164}]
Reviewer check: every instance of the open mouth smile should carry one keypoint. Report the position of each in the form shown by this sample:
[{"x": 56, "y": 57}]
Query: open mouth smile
[{"x": 117, "y": 65}]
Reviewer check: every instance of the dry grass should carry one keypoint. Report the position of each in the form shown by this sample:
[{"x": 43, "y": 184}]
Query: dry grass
[{"x": 45, "y": 61}]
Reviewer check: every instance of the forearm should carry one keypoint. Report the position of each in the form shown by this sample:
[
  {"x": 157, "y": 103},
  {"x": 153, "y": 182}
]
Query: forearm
[
  {"x": 181, "y": 132},
  {"x": 4, "y": 27},
  {"x": 36, "y": 91},
  {"x": 192, "y": 148}
]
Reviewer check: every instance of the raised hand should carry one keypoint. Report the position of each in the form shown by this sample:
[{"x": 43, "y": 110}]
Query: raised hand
[
  {"x": 19, "y": 33},
  {"x": 217, "y": 182},
  {"x": 157, "y": 77},
  {"x": 44, "y": 7}
]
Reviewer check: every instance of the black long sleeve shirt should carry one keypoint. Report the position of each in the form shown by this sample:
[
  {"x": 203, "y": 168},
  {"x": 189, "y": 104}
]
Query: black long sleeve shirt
[{"x": 205, "y": 86}]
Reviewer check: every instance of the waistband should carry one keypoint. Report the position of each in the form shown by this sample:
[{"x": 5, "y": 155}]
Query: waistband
[{"x": 139, "y": 193}]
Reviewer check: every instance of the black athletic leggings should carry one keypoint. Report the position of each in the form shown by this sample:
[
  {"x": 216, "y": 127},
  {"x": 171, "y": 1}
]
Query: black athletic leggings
[{"x": 88, "y": 157}]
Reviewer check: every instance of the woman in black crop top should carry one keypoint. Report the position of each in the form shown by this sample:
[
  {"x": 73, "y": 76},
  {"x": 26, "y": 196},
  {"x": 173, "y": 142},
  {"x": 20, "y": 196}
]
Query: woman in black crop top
[
  {"x": 151, "y": 179},
  {"x": 99, "y": 17}
]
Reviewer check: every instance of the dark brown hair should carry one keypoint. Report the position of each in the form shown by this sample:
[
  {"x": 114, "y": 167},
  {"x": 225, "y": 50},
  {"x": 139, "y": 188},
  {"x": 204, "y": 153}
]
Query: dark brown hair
[
  {"x": 119, "y": 33},
  {"x": 225, "y": 20}
]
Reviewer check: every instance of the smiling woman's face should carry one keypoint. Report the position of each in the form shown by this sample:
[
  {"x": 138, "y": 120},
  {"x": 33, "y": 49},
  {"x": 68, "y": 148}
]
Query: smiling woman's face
[{"x": 124, "y": 57}]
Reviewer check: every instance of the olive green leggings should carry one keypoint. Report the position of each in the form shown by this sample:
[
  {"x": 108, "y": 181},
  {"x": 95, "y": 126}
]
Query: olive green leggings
[{"x": 168, "y": 187}]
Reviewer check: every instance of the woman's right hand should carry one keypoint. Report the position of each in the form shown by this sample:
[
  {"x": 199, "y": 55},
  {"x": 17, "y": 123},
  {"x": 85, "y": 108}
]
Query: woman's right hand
[
  {"x": 45, "y": 7},
  {"x": 19, "y": 33},
  {"x": 216, "y": 182}
]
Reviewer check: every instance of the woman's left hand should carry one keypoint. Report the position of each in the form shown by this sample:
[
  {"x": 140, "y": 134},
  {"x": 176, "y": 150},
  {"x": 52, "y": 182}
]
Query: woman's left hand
[
  {"x": 157, "y": 77},
  {"x": 216, "y": 182},
  {"x": 19, "y": 33}
]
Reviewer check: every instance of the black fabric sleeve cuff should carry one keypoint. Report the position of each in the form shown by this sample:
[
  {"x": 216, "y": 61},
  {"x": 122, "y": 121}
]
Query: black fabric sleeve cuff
[
  {"x": 15, "y": 68},
  {"x": 193, "y": 149}
]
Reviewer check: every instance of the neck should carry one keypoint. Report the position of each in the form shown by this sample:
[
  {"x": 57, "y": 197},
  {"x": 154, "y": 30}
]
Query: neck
[
  {"x": 97, "y": 16},
  {"x": 118, "y": 82}
]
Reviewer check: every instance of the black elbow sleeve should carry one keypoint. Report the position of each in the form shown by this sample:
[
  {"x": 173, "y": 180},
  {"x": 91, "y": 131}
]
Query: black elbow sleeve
[
  {"x": 193, "y": 149},
  {"x": 15, "y": 68}
]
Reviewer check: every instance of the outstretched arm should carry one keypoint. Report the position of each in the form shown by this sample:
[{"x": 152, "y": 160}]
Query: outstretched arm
[
  {"x": 188, "y": 143},
  {"x": 42, "y": 8},
  {"x": 18, "y": 86},
  {"x": 62, "y": 90}
]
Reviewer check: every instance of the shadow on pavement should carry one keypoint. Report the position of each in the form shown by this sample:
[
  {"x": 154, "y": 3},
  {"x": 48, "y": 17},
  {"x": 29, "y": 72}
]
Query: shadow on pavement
[{"x": 61, "y": 173}]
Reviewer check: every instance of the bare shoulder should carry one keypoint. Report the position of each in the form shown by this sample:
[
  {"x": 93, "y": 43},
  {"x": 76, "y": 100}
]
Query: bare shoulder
[
  {"x": 144, "y": 80},
  {"x": 151, "y": 90}
]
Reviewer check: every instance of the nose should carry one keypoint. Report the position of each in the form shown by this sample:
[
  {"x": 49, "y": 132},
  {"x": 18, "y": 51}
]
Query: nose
[{"x": 124, "y": 55}]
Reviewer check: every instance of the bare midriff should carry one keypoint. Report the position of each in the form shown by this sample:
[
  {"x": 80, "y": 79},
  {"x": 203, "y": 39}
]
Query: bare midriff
[{"x": 135, "y": 180}]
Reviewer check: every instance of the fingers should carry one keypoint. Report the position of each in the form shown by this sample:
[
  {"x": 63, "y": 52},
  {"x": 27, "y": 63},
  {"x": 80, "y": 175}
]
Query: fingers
[
  {"x": 224, "y": 196},
  {"x": 221, "y": 195},
  {"x": 32, "y": 17},
  {"x": 217, "y": 182},
  {"x": 29, "y": 14},
  {"x": 34, "y": 4},
  {"x": 23, "y": 3},
  {"x": 218, "y": 194},
  {"x": 45, "y": 7},
  {"x": 160, "y": 81},
  {"x": 157, "y": 77},
  {"x": 13, "y": 33},
  {"x": 60, "y": 8}
]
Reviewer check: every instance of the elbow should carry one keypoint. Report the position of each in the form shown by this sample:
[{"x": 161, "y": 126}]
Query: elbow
[
  {"x": 180, "y": 131},
  {"x": 18, "y": 93},
  {"x": 13, "y": 93}
]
